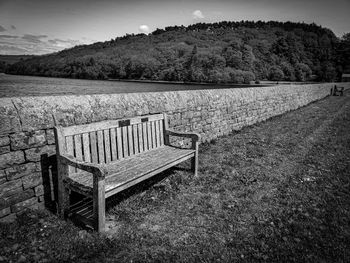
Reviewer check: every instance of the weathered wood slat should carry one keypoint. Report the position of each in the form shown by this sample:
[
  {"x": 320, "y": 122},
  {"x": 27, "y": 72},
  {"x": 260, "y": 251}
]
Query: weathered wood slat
[
  {"x": 144, "y": 176},
  {"x": 123, "y": 166},
  {"x": 78, "y": 147},
  {"x": 144, "y": 166},
  {"x": 83, "y": 205},
  {"x": 130, "y": 141},
  {"x": 136, "y": 139},
  {"x": 149, "y": 136},
  {"x": 107, "y": 145},
  {"x": 161, "y": 132},
  {"x": 125, "y": 142},
  {"x": 86, "y": 146},
  {"x": 93, "y": 146},
  {"x": 114, "y": 155},
  {"x": 70, "y": 151},
  {"x": 119, "y": 143},
  {"x": 100, "y": 147},
  {"x": 86, "y": 128},
  {"x": 139, "y": 129},
  {"x": 122, "y": 171},
  {"x": 153, "y": 128},
  {"x": 76, "y": 206},
  {"x": 158, "y": 135}
]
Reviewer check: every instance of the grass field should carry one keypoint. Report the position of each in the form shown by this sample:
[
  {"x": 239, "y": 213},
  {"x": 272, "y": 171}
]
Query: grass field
[{"x": 278, "y": 191}]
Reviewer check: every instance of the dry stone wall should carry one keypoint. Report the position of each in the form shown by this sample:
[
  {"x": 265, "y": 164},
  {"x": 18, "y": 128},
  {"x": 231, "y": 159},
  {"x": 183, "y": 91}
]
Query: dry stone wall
[{"x": 28, "y": 171}]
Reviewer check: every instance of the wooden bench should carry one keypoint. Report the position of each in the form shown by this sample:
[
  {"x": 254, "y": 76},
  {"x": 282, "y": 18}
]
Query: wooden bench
[
  {"x": 101, "y": 159},
  {"x": 337, "y": 91}
]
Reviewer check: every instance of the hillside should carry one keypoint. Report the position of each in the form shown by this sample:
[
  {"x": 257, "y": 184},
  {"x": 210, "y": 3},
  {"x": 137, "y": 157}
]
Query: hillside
[
  {"x": 225, "y": 52},
  {"x": 6, "y": 60}
]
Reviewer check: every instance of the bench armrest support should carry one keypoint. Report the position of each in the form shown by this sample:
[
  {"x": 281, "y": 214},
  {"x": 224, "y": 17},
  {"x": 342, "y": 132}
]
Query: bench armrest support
[
  {"x": 96, "y": 169},
  {"x": 194, "y": 136}
]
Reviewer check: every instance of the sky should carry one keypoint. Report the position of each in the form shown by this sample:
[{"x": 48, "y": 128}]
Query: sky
[{"x": 45, "y": 26}]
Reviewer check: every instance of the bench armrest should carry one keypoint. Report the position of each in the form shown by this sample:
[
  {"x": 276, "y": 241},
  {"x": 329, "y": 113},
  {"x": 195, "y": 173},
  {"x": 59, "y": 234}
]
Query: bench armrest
[
  {"x": 194, "y": 136},
  {"x": 96, "y": 169}
]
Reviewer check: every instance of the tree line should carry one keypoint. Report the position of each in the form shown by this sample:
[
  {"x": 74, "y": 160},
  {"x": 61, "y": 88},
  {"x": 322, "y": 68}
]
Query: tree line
[{"x": 225, "y": 52}]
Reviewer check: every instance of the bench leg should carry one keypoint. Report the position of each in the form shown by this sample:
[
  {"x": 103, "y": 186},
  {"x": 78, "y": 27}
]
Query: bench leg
[
  {"x": 63, "y": 192},
  {"x": 99, "y": 204},
  {"x": 194, "y": 160},
  {"x": 194, "y": 165}
]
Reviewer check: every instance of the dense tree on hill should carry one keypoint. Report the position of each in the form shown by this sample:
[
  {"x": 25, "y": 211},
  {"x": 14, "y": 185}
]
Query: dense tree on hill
[
  {"x": 225, "y": 52},
  {"x": 343, "y": 52}
]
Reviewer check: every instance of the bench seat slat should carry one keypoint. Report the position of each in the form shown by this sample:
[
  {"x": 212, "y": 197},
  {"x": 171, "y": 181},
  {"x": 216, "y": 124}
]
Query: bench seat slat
[{"x": 124, "y": 171}]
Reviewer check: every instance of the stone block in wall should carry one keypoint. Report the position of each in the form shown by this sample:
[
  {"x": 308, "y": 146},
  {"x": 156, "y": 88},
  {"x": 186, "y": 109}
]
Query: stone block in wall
[
  {"x": 4, "y": 149},
  {"x": 34, "y": 155},
  {"x": 35, "y": 112},
  {"x": 11, "y": 158},
  {"x": 17, "y": 198},
  {"x": 50, "y": 136},
  {"x": 39, "y": 190},
  {"x": 4, "y": 141},
  {"x": 10, "y": 188},
  {"x": 3, "y": 203},
  {"x": 4, "y": 212},
  {"x": 18, "y": 171},
  {"x": 26, "y": 140},
  {"x": 9, "y": 118},
  {"x": 2, "y": 176},
  {"x": 22, "y": 205},
  {"x": 32, "y": 180}
]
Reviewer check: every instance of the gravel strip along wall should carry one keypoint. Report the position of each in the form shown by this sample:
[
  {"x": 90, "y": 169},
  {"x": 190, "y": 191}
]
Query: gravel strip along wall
[{"x": 28, "y": 171}]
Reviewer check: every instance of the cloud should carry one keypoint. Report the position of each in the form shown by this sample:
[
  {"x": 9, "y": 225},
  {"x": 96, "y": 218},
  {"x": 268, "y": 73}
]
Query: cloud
[
  {"x": 8, "y": 36},
  {"x": 12, "y": 50},
  {"x": 33, "y": 44},
  {"x": 197, "y": 14},
  {"x": 33, "y": 38},
  {"x": 2, "y": 29},
  {"x": 64, "y": 43},
  {"x": 13, "y": 27},
  {"x": 144, "y": 29}
]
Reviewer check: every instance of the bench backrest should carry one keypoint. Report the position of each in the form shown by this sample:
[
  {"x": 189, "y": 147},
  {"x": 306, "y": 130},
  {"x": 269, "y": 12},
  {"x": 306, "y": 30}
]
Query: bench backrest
[{"x": 107, "y": 141}]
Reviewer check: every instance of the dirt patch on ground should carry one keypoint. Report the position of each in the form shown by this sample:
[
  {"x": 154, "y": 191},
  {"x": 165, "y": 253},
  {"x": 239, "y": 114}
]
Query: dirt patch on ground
[{"x": 278, "y": 191}]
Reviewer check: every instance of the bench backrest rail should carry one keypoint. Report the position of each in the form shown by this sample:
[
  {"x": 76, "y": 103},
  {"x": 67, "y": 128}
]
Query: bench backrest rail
[{"x": 107, "y": 141}]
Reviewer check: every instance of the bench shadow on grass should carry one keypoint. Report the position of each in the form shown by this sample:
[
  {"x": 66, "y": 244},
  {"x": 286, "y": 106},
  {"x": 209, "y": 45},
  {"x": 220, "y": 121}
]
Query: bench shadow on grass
[{"x": 50, "y": 183}]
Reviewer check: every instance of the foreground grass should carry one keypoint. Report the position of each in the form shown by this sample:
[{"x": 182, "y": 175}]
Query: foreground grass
[{"x": 275, "y": 192}]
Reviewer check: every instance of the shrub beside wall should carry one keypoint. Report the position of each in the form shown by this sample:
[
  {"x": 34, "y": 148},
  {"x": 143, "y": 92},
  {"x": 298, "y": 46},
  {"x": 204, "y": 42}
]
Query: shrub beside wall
[{"x": 27, "y": 147}]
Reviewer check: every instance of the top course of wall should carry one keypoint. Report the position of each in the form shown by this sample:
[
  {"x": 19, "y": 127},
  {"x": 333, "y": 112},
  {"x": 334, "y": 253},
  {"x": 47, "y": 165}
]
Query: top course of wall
[{"x": 36, "y": 113}]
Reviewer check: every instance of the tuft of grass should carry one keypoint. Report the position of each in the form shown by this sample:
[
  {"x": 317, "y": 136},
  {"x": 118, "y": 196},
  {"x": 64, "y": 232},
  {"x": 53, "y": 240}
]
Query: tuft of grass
[{"x": 278, "y": 191}]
